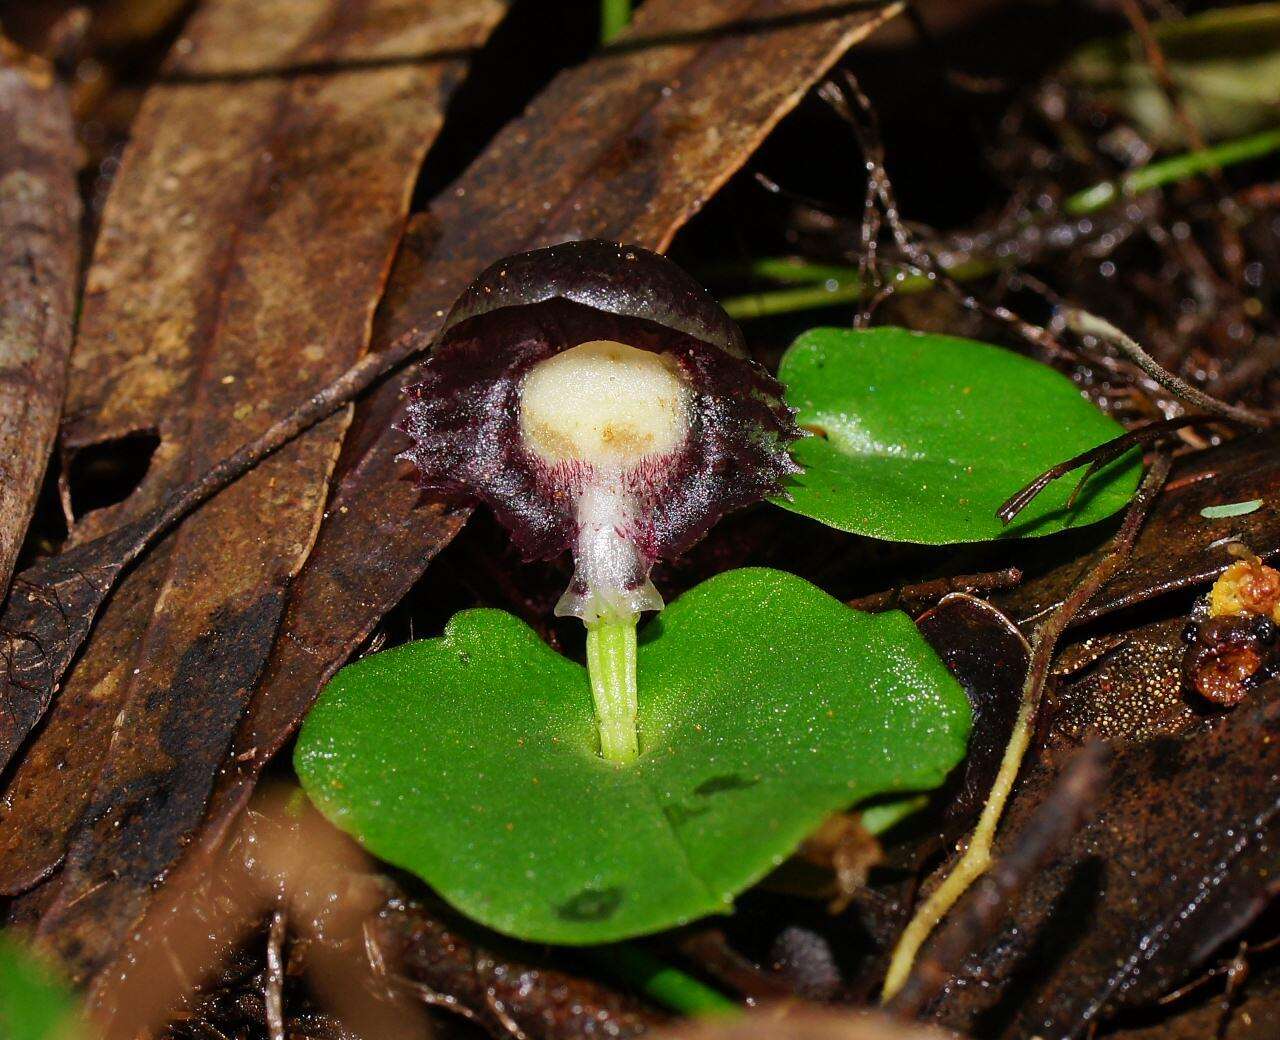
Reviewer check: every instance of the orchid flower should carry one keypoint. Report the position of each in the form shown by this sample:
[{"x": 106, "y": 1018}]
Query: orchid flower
[{"x": 597, "y": 399}]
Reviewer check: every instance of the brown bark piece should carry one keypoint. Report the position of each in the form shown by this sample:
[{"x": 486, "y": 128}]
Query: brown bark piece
[
  {"x": 243, "y": 250},
  {"x": 39, "y": 257}
]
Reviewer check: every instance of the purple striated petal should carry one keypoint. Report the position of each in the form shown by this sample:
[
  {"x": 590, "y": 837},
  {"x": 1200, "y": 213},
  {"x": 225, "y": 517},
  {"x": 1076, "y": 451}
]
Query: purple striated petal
[{"x": 464, "y": 417}]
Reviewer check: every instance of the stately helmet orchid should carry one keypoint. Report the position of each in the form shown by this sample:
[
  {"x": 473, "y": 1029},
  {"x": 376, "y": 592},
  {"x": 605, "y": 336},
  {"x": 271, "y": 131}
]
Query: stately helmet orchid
[{"x": 598, "y": 400}]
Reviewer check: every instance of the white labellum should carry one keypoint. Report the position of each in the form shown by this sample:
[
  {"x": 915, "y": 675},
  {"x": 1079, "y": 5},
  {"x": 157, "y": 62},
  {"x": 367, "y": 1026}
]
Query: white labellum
[{"x": 602, "y": 417}]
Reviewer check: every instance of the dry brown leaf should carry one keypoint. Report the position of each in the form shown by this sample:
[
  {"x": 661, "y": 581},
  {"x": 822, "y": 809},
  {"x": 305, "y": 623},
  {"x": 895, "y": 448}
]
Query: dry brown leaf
[
  {"x": 1176, "y": 857},
  {"x": 39, "y": 257},
  {"x": 243, "y": 250},
  {"x": 369, "y": 952}
]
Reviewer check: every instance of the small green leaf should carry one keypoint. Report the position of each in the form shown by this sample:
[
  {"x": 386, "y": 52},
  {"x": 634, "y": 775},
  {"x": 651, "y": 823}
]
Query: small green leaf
[
  {"x": 765, "y": 705},
  {"x": 1231, "y": 509},
  {"x": 34, "y": 1004},
  {"x": 921, "y": 438}
]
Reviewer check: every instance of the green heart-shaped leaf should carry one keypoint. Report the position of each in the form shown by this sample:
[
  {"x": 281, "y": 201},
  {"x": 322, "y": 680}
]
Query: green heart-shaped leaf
[
  {"x": 921, "y": 438},
  {"x": 765, "y": 705}
]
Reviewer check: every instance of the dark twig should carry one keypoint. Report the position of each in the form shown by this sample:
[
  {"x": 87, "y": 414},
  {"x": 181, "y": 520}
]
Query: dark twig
[
  {"x": 502, "y": 1016},
  {"x": 924, "y": 594},
  {"x": 866, "y": 133},
  {"x": 431, "y": 998},
  {"x": 809, "y": 202},
  {"x": 105, "y": 558},
  {"x": 1230, "y": 968},
  {"x": 972, "y": 921},
  {"x": 1233, "y": 248},
  {"x": 861, "y": 117},
  {"x": 1095, "y": 458},
  {"x": 1154, "y": 54},
  {"x": 320, "y": 405},
  {"x": 1237, "y": 972}
]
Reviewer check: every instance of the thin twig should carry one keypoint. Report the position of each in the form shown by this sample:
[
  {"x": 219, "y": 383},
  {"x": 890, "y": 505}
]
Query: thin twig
[
  {"x": 431, "y": 998},
  {"x": 502, "y": 1016},
  {"x": 320, "y": 405},
  {"x": 1154, "y": 54},
  {"x": 1095, "y": 457},
  {"x": 860, "y": 115},
  {"x": 1086, "y": 324},
  {"x": 865, "y": 123},
  {"x": 926, "y": 264},
  {"x": 1051, "y": 824},
  {"x": 273, "y": 987},
  {"x": 1233, "y": 248},
  {"x": 977, "y": 858},
  {"x": 926, "y": 593}
]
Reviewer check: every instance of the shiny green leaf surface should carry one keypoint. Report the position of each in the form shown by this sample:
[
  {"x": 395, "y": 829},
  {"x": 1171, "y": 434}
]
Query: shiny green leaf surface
[
  {"x": 920, "y": 438},
  {"x": 765, "y": 705}
]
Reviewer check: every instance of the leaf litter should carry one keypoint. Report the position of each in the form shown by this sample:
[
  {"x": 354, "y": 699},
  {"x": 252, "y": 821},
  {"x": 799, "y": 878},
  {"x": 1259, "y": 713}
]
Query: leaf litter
[
  {"x": 103, "y": 911},
  {"x": 39, "y": 265},
  {"x": 1135, "y": 625},
  {"x": 208, "y": 312}
]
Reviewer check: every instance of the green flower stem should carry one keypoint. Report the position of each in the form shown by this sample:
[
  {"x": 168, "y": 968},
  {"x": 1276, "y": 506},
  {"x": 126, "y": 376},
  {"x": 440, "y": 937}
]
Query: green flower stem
[
  {"x": 611, "y": 664},
  {"x": 615, "y": 15},
  {"x": 659, "y": 981}
]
